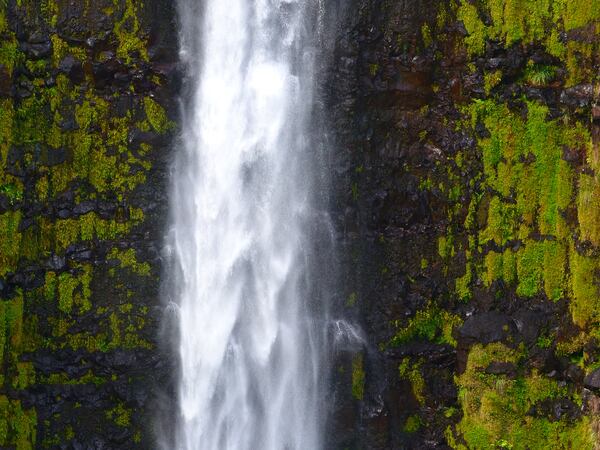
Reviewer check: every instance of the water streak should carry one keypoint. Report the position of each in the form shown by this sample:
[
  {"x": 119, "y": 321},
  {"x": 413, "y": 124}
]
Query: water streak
[{"x": 242, "y": 201}]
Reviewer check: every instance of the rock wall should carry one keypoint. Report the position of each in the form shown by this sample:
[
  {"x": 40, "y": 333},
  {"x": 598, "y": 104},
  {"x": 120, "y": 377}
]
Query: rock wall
[
  {"x": 466, "y": 201},
  {"x": 467, "y": 205},
  {"x": 87, "y": 110}
]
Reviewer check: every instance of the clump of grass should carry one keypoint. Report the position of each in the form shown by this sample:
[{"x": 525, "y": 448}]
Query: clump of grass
[{"x": 540, "y": 75}]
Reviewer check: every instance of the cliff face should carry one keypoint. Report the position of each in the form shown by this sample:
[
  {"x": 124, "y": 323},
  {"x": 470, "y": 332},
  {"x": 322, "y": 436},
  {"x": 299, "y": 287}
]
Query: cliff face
[
  {"x": 467, "y": 204},
  {"x": 86, "y": 105}
]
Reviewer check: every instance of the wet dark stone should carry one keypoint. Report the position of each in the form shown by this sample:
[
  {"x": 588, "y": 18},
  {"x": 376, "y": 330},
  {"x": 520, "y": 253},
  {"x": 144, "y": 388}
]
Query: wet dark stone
[
  {"x": 56, "y": 262},
  {"x": 73, "y": 68},
  {"x": 36, "y": 50},
  {"x": 486, "y": 327},
  {"x": 578, "y": 96},
  {"x": 81, "y": 256},
  {"x": 501, "y": 368},
  {"x": 64, "y": 213},
  {"x": 575, "y": 374},
  {"x": 592, "y": 380},
  {"x": 104, "y": 73},
  {"x": 54, "y": 157},
  {"x": 84, "y": 207}
]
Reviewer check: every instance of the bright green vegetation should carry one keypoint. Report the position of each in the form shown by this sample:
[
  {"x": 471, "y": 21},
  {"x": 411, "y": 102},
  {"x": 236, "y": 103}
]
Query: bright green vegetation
[
  {"x": 128, "y": 32},
  {"x": 491, "y": 80},
  {"x": 128, "y": 259},
  {"x": 515, "y": 22},
  {"x": 60, "y": 49},
  {"x": 411, "y": 372},
  {"x": 358, "y": 377},
  {"x": 529, "y": 189},
  {"x": 532, "y": 226},
  {"x": 63, "y": 378},
  {"x": 431, "y": 324},
  {"x": 120, "y": 415},
  {"x": 17, "y": 425},
  {"x": 497, "y": 408},
  {"x": 539, "y": 75},
  {"x": 413, "y": 424},
  {"x": 157, "y": 117},
  {"x": 70, "y": 138},
  {"x": 585, "y": 306}
]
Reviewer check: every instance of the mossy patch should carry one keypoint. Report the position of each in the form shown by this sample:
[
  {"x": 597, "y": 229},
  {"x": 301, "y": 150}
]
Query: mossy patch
[
  {"x": 358, "y": 377},
  {"x": 497, "y": 407},
  {"x": 432, "y": 324}
]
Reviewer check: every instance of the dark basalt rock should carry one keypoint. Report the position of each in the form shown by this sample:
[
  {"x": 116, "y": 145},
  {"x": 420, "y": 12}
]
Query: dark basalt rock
[
  {"x": 36, "y": 50},
  {"x": 54, "y": 157},
  {"x": 578, "y": 96},
  {"x": 501, "y": 368},
  {"x": 72, "y": 68},
  {"x": 485, "y": 328},
  {"x": 592, "y": 380}
]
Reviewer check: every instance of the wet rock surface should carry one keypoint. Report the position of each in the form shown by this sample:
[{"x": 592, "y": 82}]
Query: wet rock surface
[
  {"x": 88, "y": 92},
  {"x": 411, "y": 208}
]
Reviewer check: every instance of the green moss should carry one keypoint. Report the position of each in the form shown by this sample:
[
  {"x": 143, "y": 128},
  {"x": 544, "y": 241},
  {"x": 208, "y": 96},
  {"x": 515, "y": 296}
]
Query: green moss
[
  {"x": 57, "y": 236},
  {"x": 157, "y": 116},
  {"x": 533, "y": 22},
  {"x": 17, "y": 425},
  {"x": 120, "y": 415},
  {"x": 432, "y": 324},
  {"x": 577, "y": 14},
  {"x": 530, "y": 265},
  {"x": 412, "y": 424},
  {"x": 555, "y": 258},
  {"x": 532, "y": 188},
  {"x": 585, "y": 307},
  {"x": 130, "y": 43},
  {"x": 67, "y": 284},
  {"x": 12, "y": 192},
  {"x": 6, "y": 131},
  {"x": 61, "y": 49},
  {"x": 588, "y": 212},
  {"x": 426, "y": 35},
  {"x": 446, "y": 246},
  {"x": 10, "y": 55},
  {"x": 412, "y": 373},
  {"x": 463, "y": 284},
  {"x": 477, "y": 32},
  {"x": 63, "y": 379},
  {"x": 358, "y": 377},
  {"x": 491, "y": 80},
  {"x": 496, "y": 408},
  {"x": 50, "y": 286},
  {"x": 25, "y": 375},
  {"x": 539, "y": 75},
  {"x": 128, "y": 259},
  {"x": 14, "y": 323},
  {"x": 10, "y": 241}
]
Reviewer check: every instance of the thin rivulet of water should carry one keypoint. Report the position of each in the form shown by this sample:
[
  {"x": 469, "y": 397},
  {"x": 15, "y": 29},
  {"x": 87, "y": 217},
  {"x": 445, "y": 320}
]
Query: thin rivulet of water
[{"x": 250, "y": 353}]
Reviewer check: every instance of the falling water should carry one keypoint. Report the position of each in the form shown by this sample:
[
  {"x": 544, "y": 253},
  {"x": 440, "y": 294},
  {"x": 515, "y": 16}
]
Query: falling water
[{"x": 243, "y": 190}]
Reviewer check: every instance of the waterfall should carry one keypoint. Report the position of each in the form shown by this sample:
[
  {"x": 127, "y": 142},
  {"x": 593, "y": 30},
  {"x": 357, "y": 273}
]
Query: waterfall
[{"x": 250, "y": 344}]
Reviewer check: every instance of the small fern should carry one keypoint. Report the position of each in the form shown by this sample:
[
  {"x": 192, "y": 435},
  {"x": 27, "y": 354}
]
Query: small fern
[{"x": 540, "y": 75}]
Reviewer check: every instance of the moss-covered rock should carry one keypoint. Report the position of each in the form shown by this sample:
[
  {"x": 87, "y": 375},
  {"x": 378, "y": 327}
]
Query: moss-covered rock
[
  {"x": 469, "y": 185},
  {"x": 85, "y": 120}
]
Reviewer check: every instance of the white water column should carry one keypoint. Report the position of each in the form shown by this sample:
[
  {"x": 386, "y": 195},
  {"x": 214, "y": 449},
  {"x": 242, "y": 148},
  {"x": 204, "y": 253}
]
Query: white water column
[{"x": 249, "y": 349}]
